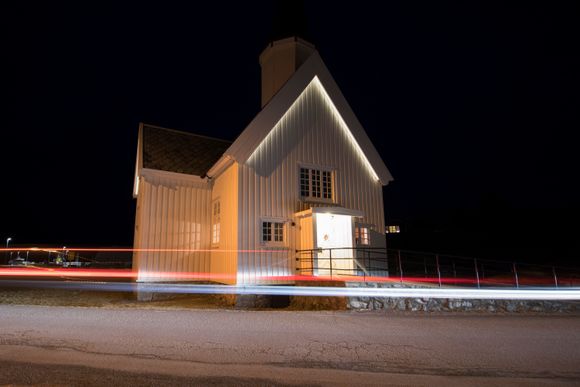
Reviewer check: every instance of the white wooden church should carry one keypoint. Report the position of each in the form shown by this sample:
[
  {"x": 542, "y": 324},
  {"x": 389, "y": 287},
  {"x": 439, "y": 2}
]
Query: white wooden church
[{"x": 302, "y": 175}]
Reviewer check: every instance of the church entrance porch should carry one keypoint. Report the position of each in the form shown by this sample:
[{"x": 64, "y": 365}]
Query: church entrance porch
[{"x": 326, "y": 240}]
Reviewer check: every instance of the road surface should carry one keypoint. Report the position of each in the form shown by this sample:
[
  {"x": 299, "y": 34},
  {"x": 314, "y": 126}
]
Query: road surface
[{"x": 100, "y": 346}]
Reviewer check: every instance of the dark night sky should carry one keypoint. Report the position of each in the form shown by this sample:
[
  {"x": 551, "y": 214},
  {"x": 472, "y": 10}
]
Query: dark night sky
[{"x": 464, "y": 102}]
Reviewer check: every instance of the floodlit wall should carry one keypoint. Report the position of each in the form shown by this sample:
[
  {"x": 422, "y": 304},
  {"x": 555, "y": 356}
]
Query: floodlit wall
[
  {"x": 223, "y": 256},
  {"x": 305, "y": 263},
  {"x": 313, "y": 134},
  {"x": 172, "y": 213}
]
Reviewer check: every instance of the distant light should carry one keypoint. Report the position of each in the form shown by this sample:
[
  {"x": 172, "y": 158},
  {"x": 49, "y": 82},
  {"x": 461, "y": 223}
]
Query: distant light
[{"x": 393, "y": 229}]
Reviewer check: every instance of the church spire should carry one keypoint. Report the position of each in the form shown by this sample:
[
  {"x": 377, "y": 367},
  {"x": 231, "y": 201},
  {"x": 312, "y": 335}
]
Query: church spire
[
  {"x": 289, "y": 20},
  {"x": 287, "y": 50}
]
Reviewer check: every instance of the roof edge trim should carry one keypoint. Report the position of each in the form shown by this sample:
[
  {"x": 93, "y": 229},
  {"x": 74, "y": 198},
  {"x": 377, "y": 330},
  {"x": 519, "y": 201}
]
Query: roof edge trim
[{"x": 155, "y": 173}]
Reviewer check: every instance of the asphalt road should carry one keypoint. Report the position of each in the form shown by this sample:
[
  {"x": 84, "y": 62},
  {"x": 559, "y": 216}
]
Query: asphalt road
[{"x": 99, "y": 346}]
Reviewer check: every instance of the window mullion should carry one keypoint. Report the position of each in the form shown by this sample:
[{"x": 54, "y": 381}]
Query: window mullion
[{"x": 308, "y": 174}]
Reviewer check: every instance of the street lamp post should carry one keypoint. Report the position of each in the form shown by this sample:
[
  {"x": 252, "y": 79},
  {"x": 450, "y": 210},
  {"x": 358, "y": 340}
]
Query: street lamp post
[{"x": 7, "y": 242}]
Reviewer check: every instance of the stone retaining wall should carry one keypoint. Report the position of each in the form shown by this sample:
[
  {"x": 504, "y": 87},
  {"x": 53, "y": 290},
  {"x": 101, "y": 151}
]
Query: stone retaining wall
[
  {"x": 378, "y": 303},
  {"x": 446, "y": 304}
]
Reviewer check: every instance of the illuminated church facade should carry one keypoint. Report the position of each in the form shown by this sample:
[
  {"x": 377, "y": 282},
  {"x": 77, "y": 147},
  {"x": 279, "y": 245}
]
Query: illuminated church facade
[{"x": 303, "y": 175}]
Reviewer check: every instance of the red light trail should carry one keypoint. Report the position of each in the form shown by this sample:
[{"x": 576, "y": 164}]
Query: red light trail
[
  {"x": 43, "y": 272},
  {"x": 40, "y": 272},
  {"x": 133, "y": 250}
]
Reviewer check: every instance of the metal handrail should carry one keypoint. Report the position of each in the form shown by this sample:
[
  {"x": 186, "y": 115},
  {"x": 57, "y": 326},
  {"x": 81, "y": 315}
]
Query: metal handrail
[{"x": 375, "y": 261}]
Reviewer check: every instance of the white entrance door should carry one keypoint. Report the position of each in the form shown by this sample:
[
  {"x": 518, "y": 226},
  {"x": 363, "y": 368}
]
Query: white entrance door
[{"x": 334, "y": 238}]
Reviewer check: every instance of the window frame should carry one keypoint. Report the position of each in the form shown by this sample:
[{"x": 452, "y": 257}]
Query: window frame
[
  {"x": 272, "y": 231},
  {"x": 214, "y": 217},
  {"x": 370, "y": 227},
  {"x": 358, "y": 234},
  {"x": 317, "y": 174}
]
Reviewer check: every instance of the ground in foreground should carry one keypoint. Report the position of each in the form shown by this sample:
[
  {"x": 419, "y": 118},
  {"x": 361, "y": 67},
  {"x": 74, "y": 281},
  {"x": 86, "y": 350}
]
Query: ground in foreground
[{"x": 65, "y": 345}]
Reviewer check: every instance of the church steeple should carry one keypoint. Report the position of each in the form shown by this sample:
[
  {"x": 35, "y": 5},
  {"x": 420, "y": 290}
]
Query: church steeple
[
  {"x": 287, "y": 49},
  {"x": 289, "y": 20}
]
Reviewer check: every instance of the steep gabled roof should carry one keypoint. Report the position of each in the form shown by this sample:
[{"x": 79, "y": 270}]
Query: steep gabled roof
[
  {"x": 174, "y": 151},
  {"x": 313, "y": 70}
]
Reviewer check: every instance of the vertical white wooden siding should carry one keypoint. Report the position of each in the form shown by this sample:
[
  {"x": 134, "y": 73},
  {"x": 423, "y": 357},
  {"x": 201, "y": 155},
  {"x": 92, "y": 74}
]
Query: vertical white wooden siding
[
  {"x": 224, "y": 255},
  {"x": 312, "y": 133},
  {"x": 305, "y": 264},
  {"x": 172, "y": 214}
]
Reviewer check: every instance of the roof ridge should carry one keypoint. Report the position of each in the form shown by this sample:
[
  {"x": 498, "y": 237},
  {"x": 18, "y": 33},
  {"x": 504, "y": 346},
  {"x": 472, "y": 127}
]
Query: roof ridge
[{"x": 187, "y": 133}]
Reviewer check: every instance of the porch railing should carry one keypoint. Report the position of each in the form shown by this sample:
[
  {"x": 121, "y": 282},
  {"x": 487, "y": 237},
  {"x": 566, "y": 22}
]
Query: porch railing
[{"x": 439, "y": 269}]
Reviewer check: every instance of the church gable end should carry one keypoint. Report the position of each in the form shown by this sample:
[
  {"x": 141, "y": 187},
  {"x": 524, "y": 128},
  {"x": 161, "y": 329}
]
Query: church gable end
[{"x": 312, "y": 132}]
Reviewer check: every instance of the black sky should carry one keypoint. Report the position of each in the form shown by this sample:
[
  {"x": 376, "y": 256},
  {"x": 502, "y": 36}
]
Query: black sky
[{"x": 463, "y": 101}]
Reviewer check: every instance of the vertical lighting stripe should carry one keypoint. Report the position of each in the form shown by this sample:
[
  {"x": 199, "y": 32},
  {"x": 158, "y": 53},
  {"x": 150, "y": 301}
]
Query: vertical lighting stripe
[
  {"x": 317, "y": 85},
  {"x": 343, "y": 125}
]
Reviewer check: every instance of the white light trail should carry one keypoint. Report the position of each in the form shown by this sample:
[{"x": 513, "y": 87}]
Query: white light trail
[{"x": 570, "y": 294}]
